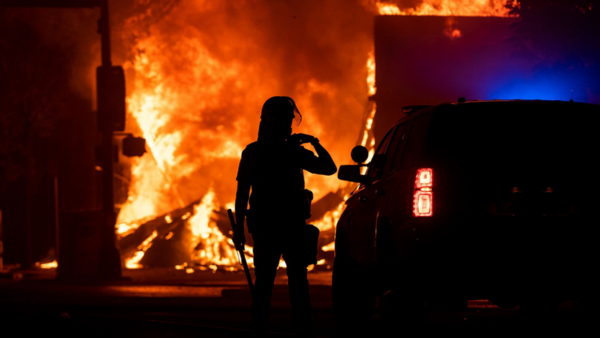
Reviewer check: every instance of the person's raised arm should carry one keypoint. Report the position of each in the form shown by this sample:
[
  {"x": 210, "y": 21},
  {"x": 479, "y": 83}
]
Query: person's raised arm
[
  {"x": 321, "y": 165},
  {"x": 326, "y": 166}
]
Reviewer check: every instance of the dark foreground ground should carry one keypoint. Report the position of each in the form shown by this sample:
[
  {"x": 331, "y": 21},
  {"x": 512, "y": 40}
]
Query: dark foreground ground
[{"x": 170, "y": 303}]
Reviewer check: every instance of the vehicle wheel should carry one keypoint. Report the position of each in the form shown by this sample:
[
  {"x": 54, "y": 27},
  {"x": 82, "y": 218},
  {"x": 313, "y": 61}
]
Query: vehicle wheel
[
  {"x": 539, "y": 314},
  {"x": 353, "y": 291},
  {"x": 539, "y": 306},
  {"x": 403, "y": 306},
  {"x": 588, "y": 302}
]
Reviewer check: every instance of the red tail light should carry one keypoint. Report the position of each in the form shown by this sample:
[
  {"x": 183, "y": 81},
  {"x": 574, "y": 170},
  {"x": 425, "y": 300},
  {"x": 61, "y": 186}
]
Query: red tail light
[
  {"x": 423, "y": 193},
  {"x": 424, "y": 178}
]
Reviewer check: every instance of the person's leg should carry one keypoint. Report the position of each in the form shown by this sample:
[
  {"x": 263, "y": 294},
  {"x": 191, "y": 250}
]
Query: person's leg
[
  {"x": 298, "y": 285},
  {"x": 266, "y": 260}
]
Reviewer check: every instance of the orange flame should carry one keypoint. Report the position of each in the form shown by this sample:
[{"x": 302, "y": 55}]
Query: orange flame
[
  {"x": 209, "y": 245},
  {"x": 371, "y": 73},
  {"x": 183, "y": 105},
  {"x": 156, "y": 105},
  {"x": 134, "y": 262},
  {"x": 330, "y": 219},
  {"x": 448, "y": 8}
]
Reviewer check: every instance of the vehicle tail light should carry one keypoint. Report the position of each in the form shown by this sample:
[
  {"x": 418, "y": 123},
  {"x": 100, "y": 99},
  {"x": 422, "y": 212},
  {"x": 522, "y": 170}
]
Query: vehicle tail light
[{"x": 423, "y": 193}]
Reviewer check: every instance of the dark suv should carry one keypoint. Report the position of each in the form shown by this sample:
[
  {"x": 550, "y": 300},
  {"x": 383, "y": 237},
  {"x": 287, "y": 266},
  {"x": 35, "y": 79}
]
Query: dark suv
[{"x": 473, "y": 200}]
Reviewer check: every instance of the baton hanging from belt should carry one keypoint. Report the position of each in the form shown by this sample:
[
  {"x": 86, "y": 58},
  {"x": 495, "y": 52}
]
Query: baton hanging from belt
[{"x": 240, "y": 251}]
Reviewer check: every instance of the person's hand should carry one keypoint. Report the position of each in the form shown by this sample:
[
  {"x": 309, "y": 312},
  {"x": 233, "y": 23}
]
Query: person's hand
[
  {"x": 300, "y": 139},
  {"x": 239, "y": 240}
]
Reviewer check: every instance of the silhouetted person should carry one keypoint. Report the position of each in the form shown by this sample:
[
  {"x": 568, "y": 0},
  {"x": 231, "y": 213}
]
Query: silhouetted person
[{"x": 273, "y": 167}]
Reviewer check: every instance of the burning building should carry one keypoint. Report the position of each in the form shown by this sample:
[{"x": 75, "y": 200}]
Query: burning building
[
  {"x": 441, "y": 50},
  {"x": 451, "y": 57}
]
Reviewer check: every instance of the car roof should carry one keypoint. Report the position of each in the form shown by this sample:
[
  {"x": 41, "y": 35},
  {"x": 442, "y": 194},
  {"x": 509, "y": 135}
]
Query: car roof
[{"x": 418, "y": 110}]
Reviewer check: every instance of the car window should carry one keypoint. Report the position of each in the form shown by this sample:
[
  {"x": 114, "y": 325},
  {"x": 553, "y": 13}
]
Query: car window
[
  {"x": 395, "y": 147},
  {"x": 379, "y": 159},
  {"x": 384, "y": 143},
  {"x": 414, "y": 141}
]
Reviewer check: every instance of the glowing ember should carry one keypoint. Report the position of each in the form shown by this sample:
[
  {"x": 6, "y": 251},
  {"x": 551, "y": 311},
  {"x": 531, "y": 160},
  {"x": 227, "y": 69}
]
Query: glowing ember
[
  {"x": 49, "y": 265},
  {"x": 133, "y": 262},
  {"x": 124, "y": 229},
  {"x": 455, "y": 33},
  {"x": 450, "y": 31},
  {"x": 330, "y": 219},
  {"x": 329, "y": 247}
]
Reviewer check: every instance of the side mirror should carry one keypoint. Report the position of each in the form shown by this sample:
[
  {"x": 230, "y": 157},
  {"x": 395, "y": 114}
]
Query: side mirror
[
  {"x": 359, "y": 154},
  {"x": 351, "y": 173}
]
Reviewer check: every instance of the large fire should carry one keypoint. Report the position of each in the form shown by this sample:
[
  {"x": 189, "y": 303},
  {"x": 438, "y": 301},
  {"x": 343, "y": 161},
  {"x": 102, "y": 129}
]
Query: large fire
[
  {"x": 201, "y": 76},
  {"x": 196, "y": 95}
]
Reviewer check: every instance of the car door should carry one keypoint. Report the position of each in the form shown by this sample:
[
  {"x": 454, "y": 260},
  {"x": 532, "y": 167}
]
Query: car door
[
  {"x": 397, "y": 212},
  {"x": 365, "y": 204}
]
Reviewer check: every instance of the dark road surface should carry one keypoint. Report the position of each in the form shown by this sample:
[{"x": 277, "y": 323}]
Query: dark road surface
[{"x": 171, "y": 304}]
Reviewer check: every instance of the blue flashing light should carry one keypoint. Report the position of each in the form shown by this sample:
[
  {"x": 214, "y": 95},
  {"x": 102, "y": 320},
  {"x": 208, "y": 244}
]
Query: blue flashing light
[
  {"x": 545, "y": 84},
  {"x": 533, "y": 90}
]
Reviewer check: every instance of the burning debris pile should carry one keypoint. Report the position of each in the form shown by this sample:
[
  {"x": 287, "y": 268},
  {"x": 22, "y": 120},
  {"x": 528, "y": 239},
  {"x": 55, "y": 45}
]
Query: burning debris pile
[{"x": 198, "y": 236}]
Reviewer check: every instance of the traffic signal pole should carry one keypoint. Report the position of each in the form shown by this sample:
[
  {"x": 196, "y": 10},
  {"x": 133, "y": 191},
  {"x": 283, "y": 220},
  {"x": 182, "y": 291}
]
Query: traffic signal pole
[
  {"x": 110, "y": 259},
  {"x": 111, "y": 117},
  {"x": 104, "y": 30}
]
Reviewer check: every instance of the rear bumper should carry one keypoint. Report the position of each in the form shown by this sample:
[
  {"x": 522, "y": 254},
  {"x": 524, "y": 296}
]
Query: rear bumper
[{"x": 487, "y": 256}]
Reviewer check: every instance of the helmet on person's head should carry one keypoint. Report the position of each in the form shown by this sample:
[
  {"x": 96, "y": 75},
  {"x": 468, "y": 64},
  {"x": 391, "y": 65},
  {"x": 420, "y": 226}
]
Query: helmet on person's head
[{"x": 279, "y": 110}]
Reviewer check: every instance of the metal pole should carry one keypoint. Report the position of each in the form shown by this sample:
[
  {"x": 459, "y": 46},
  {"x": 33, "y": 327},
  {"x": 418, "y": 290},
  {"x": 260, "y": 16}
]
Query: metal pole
[
  {"x": 1, "y": 245},
  {"x": 110, "y": 259},
  {"x": 104, "y": 30},
  {"x": 56, "y": 221},
  {"x": 109, "y": 256}
]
